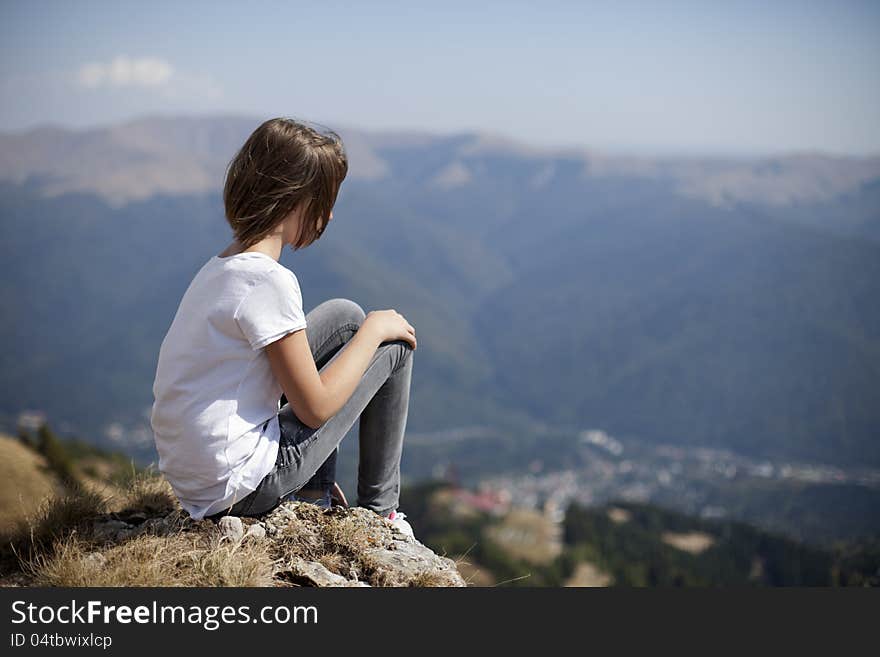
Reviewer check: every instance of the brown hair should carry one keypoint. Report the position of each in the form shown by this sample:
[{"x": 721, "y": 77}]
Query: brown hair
[{"x": 282, "y": 164}]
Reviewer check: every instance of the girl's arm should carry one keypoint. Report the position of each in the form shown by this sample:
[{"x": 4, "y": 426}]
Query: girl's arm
[{"x": 317, "y": 396}]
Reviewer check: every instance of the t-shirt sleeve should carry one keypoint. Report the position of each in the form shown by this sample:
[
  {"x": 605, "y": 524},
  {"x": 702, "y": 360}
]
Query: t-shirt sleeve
[{"x": 272, "y": 309}]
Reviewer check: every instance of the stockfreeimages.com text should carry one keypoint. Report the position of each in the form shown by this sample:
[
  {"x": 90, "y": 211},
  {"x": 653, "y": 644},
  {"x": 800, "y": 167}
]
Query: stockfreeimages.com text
[{"x": 210, "y": 616}]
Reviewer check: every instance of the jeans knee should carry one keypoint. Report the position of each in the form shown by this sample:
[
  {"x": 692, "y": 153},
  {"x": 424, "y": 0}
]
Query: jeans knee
[
  {"x": 353, "y": 312},
  {"x": 348, "y": 311}
]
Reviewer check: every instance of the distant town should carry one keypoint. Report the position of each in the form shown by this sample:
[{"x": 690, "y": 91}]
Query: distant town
[{"x": 674, "y": 476}]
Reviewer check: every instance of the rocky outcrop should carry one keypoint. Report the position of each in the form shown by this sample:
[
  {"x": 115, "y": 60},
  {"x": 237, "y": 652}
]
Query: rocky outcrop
[{"x": 349, "y": 547}]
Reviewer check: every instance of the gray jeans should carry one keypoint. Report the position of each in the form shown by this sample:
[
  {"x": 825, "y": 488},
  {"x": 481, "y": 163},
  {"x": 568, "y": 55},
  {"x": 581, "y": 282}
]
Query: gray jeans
[{"x": 307, "y": 456}]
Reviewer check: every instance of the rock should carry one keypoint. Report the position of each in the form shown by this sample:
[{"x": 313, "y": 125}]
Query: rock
[
  {"x": 309, "y": 546},
  {"x": 313, "y": 573},
  {"x": 279, "y": 518},
  {"x": 232, "y": 528},
  {"x": 257, "y": 531},
  {"x": 380, "y": 553},
  {"x": 406, "y": 561}
]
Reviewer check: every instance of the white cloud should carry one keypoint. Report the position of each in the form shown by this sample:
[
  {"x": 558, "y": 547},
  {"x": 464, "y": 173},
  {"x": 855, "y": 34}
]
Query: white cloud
[
  {"x": 126, "y": 71},
  {"x": 153, "y": 73}
]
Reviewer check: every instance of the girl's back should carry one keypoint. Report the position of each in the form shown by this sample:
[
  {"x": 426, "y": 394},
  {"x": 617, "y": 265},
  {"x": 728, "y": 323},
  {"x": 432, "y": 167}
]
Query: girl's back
[{"x": 214, "y": 417}]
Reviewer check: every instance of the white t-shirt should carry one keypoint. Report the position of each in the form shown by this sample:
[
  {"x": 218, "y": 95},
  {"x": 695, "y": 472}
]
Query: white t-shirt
[{"x": 214, "y": 389}]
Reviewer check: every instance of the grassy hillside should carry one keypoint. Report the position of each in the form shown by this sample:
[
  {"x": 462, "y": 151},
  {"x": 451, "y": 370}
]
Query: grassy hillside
[
  {"x": 25, "y": 480},
  {"x": 37, "y": 467}
]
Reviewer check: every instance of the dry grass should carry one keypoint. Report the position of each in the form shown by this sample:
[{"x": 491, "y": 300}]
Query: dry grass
[
  {"x": 336, "y": 541},
  {"x": 335, "y": 563},
  {"x": 429, "y": 578},
  {"x": 473, "y": 574},
  {"x": 147, "y": 492},
  {"x": 180, "y": 559},
  {"x": 54, "y": 546},
  {"x": 302, "y": 536},
  {"x": 55, "y": 518},
  {"x": 77, "y": 539}
]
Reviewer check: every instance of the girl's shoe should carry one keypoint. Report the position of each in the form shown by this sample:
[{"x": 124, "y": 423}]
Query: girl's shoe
[
  {"x": 337, "y": 495},
  {"x": 397, "y": 520}
]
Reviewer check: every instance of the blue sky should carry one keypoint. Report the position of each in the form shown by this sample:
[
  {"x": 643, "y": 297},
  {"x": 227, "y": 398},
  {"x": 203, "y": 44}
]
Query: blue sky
[{"x": 661, "y": 77}]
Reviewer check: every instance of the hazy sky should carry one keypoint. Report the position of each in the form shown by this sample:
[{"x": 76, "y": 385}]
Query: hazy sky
[{"x": 661, "y": 76}]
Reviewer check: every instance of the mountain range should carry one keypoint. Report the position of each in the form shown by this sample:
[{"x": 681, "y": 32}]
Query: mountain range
[{"x": 720, "y": 301}]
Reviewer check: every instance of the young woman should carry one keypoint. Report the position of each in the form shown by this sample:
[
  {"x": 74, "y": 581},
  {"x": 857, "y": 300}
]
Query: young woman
[{"x": 250, "y": 404}]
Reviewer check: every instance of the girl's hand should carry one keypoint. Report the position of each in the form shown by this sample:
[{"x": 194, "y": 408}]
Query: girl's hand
[{"x": 390, "y": 325}]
